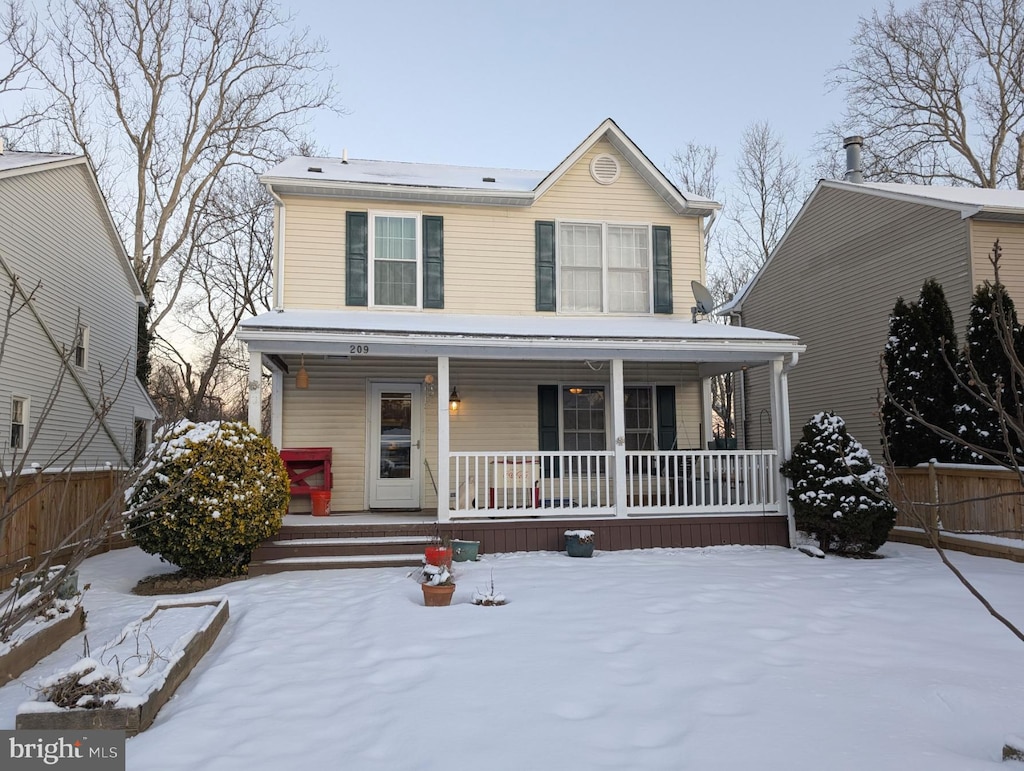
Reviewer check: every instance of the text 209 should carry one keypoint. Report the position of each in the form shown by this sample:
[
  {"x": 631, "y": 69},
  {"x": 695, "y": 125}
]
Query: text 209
[{"x": 359, "y": 349}]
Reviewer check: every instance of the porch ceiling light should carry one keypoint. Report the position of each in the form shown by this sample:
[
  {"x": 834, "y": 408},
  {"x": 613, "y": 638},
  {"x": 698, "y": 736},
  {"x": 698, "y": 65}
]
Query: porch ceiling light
[
  {"x": 454, "y": 401},
  {"x": 575, "y": 390},
  {"x": 302, "y": 377}
]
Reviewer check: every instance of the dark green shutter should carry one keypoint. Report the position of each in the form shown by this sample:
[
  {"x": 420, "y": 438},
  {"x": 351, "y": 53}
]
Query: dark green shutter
[
  {"x": 666, "y": 401},
  {"x": 433, "y": 261},
  {"x": 547, "y": 422},
  {"x": 355, "y": 258},
  {"x": 662, "y": 268},
  {"x": 546, "y": 267}
]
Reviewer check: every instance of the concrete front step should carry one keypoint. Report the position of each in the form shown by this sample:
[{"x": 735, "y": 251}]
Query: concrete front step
[{"x": 267, "y": 567}]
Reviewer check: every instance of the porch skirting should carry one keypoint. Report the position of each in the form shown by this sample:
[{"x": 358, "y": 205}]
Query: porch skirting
[{"x": 611, "y": 534}]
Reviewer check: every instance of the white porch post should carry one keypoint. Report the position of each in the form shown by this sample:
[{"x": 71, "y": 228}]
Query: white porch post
[
  {"x": 707, "y": 402},
  {"x": 619, "y": 434},
  {"x": 255, "y": 380},
  {"x": 443, "y": 441},
  {"x": 779, "y": 398},
  {"x": 276, "y": 407}
]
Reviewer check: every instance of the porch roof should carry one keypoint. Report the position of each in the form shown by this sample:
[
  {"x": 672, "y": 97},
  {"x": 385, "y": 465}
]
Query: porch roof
[{"x": 389, "y": 333}]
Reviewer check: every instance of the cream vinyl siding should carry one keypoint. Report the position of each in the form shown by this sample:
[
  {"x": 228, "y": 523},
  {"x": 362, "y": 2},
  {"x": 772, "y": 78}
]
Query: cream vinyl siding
[
  {"x": 489, "y": 251},
  {"x": 498, "y": 410},
  {"x": 833, "y": 283},
  {"x": 1011, "y": 264}
]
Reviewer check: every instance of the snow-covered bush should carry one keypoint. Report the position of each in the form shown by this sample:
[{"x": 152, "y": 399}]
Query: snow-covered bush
[
  {"x": 839, "y": 496},
  {"x": 210, "y": 492}
]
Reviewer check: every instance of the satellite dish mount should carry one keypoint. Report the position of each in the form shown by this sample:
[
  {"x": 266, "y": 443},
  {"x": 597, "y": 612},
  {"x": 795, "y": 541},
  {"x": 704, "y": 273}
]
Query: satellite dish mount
[{"x": 705, "y": 302}]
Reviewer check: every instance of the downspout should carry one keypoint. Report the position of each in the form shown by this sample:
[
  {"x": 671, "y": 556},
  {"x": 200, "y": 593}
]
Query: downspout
[
  {"x": 787, "y": 442},
  {"x": 278, "y": 249},
  {"x": 740, "y": 398}
]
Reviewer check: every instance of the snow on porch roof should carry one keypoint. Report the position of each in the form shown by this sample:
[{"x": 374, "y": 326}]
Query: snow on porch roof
[{"x": 529, "y": 334}]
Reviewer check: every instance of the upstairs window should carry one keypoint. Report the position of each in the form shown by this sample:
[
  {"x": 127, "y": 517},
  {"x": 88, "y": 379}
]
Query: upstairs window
[
  {"x": 604, "y": 268},
  {"x": 19, "y": 422},
  {"x": 81, "y": 353},
  {"x": 395, "y": 259}
]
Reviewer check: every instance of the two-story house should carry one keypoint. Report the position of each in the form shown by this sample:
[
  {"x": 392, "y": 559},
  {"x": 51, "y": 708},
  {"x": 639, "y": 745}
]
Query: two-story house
[
  {"x": 68, "y": 322},
  {"x": 855, "y": 247},
  {"x": 498, "y": 345}
]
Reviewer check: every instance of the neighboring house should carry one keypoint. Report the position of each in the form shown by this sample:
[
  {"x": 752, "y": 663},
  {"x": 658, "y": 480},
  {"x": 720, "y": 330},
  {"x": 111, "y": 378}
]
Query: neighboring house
[
  {"x": 834, "y": 278},
  {"x": 64, "y": 269},
  {"x": 491, "y": 344}
]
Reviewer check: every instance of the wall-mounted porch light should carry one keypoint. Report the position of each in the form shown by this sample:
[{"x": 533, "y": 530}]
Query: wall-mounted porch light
[
  {"x": 302, "y": 377},
  {"x": 454, "y": 401},
  {"x": 428, "y": 383}
]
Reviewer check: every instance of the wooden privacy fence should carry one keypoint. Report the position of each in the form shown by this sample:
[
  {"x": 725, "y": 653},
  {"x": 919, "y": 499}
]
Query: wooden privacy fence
[
  {"x": 49, "y": 508},
  {"x": 973, "y": 498}
]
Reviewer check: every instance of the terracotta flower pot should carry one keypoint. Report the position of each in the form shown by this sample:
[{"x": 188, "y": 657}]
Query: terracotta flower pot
[{"x": 437, "y": 596}]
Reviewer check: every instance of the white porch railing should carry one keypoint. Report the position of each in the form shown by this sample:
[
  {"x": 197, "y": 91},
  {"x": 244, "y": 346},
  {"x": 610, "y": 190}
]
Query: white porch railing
[{"x": 554, "y": 484}]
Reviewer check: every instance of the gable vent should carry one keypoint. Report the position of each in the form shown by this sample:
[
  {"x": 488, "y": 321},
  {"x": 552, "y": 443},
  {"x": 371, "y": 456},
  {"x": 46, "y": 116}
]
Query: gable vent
[{"x": 604, "y": 169}]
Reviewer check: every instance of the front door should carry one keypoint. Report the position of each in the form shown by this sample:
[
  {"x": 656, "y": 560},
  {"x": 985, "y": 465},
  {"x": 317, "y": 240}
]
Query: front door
[{"x": 395, "y": 448}]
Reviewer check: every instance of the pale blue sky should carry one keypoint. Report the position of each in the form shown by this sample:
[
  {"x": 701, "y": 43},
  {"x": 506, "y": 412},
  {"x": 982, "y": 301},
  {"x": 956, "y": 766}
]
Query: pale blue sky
[{"x": 520, "y": 84}]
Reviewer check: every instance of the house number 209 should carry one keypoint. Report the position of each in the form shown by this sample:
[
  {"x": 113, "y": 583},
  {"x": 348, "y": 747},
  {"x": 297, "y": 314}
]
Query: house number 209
[{"x": 359, "y": 349}]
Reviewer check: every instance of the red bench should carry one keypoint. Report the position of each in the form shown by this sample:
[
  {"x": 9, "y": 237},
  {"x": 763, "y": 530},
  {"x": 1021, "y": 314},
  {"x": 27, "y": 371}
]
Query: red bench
[{"x": 309, "y": 468}]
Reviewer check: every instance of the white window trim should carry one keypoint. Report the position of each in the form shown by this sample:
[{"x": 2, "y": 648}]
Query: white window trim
[
  {"x": 604, "y": 267},
  {"x": 371, "y": 256},
  {"x": 83, "y": 331},
  {"x": 25, "y": 426}
]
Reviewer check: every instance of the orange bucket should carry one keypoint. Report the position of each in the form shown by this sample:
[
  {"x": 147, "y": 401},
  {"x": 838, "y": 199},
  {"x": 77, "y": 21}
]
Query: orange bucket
[{"x": 321, "y": 503}]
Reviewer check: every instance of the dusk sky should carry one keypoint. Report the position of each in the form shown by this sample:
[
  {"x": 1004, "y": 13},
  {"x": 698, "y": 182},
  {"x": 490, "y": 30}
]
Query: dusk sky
[{"x": 519, "y": 84}]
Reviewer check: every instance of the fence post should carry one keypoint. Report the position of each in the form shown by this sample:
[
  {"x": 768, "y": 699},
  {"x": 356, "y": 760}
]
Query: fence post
[{"x": 933, "y": 478}]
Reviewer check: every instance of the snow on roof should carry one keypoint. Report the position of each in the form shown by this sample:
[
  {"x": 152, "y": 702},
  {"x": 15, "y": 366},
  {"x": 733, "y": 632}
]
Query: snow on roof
[
  {"x": 967, "y": 197},
  {"x": 660, "y": 327},
  {"x": 408, "y": 174},
  {"x": 11, "y": 160}
]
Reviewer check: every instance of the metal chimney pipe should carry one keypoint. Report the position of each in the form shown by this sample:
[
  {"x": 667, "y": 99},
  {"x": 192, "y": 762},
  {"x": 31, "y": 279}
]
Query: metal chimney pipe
[{"x": 853, "y": 146}]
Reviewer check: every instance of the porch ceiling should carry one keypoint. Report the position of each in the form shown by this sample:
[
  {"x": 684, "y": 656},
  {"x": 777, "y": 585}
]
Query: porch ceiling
[{"x": 396, "y": 334}]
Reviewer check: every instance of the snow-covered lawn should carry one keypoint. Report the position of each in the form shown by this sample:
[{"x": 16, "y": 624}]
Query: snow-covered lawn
[{"x": 724, "y": 658}]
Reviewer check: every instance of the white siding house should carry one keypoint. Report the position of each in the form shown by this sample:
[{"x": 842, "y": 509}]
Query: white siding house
[
  {"x": 495, "y": 344},
  {"x": 68, "y": 294}
]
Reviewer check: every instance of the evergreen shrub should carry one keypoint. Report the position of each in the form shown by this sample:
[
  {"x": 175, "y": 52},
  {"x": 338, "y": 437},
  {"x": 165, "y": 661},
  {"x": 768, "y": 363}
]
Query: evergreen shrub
[
  {"x": 839, "y": 496},
  {"x": 206, "y": 496}
]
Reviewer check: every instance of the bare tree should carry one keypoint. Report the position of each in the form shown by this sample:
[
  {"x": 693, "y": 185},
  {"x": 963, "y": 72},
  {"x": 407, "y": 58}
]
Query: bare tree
[
  {"x": 767, "y": 194},
  {"x": 226, "y": 276},
  {"x": 165, "y": 96},
  {"x": 770, "y": 191},
  {"x": 938, "y": 92},
  {"x": 22, "y": 484}
]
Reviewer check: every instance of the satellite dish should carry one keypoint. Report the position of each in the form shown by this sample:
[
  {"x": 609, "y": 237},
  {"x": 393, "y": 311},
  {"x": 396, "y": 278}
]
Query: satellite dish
[{"x": 705, "y": 302}]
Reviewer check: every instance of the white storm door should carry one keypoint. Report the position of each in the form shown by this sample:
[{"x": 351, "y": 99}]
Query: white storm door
[{"x": 395, "y": 448}]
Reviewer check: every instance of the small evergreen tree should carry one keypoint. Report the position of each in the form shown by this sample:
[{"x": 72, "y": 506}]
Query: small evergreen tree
[
  {"x": 838, "y": 495},
  {"x": 919, "y": 354},
  {"x": 989, "y": 376}
]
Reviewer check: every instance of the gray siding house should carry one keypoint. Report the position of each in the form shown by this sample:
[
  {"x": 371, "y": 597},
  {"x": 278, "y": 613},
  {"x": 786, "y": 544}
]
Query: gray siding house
[
  {"x": 68, "y": 290},
  {"x": 834, "y": 278}
]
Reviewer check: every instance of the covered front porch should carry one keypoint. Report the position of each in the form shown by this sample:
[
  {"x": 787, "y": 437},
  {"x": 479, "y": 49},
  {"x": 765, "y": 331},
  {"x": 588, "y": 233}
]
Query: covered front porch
[{"x": 553, "y": 419}]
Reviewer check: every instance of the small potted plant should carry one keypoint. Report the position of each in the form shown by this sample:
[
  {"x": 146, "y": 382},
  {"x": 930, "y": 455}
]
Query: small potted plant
[
  {"x": 579, "y": 543},
  {"x": 438, "y": 585}
]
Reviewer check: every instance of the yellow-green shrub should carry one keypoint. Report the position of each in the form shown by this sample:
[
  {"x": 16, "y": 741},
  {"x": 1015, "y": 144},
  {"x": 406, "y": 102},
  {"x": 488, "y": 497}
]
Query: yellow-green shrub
[{"x": 206, "y": 496}]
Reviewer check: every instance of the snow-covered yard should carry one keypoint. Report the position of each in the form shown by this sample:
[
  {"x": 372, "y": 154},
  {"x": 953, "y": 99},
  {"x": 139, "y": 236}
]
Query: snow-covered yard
[{"x": 723, "y": 658}]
